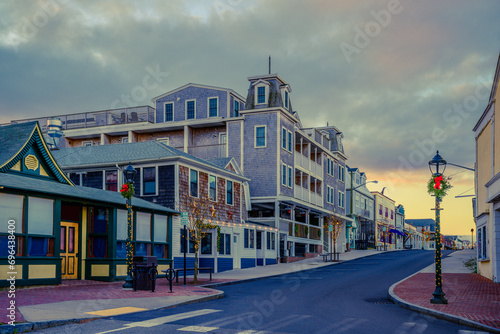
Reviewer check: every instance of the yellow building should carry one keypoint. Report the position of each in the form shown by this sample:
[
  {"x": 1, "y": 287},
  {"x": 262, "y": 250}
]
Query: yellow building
[
  {"x": 487, "y": 183},
  {"x": 384, "y": 220}
]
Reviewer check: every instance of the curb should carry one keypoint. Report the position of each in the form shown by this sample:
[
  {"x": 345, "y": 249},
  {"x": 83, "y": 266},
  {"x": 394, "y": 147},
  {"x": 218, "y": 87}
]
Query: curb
[
  {"x": 437, "y": 314},
  {"x": 35, "y": 326}
]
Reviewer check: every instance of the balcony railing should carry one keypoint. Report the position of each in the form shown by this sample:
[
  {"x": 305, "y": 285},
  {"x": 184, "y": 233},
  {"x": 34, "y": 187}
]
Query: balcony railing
[
  {"x": 99, "y": 118},
  {"x": 309, "y": 165},
  {"x": 307, "y": 196},
  {"x": 208, "y": 151}
]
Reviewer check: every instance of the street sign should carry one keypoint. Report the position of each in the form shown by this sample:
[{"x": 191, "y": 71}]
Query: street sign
[{"x": 184, "y": 219}]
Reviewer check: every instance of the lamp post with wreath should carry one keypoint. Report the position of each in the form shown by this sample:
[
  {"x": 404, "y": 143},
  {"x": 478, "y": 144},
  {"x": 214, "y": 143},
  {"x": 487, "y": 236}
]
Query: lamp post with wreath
[
  {"x": 127, "y": 192},
  {"x": 438, "y": 186}
]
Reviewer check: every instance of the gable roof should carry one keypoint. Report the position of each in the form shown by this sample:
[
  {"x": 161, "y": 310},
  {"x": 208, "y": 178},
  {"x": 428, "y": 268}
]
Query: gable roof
[
  {"x": 112, "y": 154},
  {"x": 17, "y": 139},
  {"x": 229, "y": 90},
  {"x": 421, "y": 222},
  {"x": 84, "y": 195}
]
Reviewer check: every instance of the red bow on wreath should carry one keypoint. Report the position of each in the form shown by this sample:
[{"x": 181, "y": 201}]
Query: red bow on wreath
[
  {"x": 124, "y": 188},
  {"x": 437, "y": 181}
]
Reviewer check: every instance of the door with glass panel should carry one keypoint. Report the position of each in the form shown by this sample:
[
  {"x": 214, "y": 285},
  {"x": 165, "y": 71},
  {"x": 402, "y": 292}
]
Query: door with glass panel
[{"x": 69, "y": 250}]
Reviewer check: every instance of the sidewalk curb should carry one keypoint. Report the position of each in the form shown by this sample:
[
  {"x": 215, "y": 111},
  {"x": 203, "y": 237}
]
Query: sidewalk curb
[
  {"x": 34, "y": 326},
  {"x": 437, "y": 314}
]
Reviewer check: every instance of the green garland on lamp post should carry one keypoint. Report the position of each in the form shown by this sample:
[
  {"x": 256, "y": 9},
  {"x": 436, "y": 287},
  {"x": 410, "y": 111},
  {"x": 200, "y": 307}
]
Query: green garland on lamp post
[{"x": 127, "y": 192}]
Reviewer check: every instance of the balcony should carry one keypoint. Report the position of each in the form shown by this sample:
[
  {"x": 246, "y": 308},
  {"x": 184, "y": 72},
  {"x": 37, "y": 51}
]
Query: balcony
[
  {"x": 307, "y": 196},
  {"x": 308, "y": 164},
  {"x": 99, "y": 118}
]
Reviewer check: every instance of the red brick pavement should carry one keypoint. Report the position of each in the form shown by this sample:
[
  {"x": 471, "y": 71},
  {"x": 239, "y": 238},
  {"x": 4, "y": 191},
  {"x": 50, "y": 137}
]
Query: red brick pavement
[
  {"x": 92, "y": 290},
  {"x": 469, "y": 296}
]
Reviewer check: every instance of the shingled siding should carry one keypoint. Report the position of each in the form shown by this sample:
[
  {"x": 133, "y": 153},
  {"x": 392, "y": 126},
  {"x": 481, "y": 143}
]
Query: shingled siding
[
  {"x": 166, "y": 187},
  {"x": 223, "y": 211},
  {"x": 207, "y": 136},
  {"x": 234, "y": 140},
  {"x": 199, "y": 94},
  {"x": 286, "y": 157},
  {"x": 176, "y": 138},
  {"x": 261, "y": 163}
]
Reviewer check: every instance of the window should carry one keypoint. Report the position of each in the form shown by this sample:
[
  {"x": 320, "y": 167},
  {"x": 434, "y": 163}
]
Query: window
[
  {"x": 190, "y": 109},
  {"x": 98, "y": 229},
  {"x": 169, "y": 112},
  {"x": 236, "y": 109},
  {"x": 11, "y": 208},
  {"x": 206, "y": 243},
  {"x": 271, "y": 242},
  {"x": 41, "y": 216},
  {"x": 225, "y": 244},
  {"x": 86, "y": 143},
  {"x": 193, "y": 183},
  {"x": 112, "y": 180},
  {"x": 190, "y": 241},
  {"x": 290, "y": 171},
  {"x": 212, "y": 187},
  {"x": 249, "y": 238},
  {"x": 328, "y": 166},
  {"x": 260, "y": 136},
  {"x": 213, "y": 110},
  {"x": 341, "y": 173},
  {"x": 160, "y": 228},
  {"x": 290, "y": 141},
  {"x": 164, "y": 140},
  {"x": 229, "y": 192},
  {"x": 386, "y": 212},
  {"x": 124, "y": 140},
  {"x": 380, "y": 209},
  {"x": 143, "y": 226},
  {"x": 286, "y": 99},
  {"x": 149, "y": 181},
  {"x": 283, "y": 143},
  {"x": 341, "y": 199},
  {"x": 482, "y": 238},
  {"x": 261, "y": 95},
  {"x": 284, "y": 178},
  {"x": 392, "y": 214}
]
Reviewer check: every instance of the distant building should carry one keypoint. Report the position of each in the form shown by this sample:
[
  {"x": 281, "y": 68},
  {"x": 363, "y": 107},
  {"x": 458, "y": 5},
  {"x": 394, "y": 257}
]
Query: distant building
[
  {"x": 427, "y": 230},
  {"x": 487, "y": 181},
  {"x": 384, "y": 221},
  {"x": 399, "y": 232}
]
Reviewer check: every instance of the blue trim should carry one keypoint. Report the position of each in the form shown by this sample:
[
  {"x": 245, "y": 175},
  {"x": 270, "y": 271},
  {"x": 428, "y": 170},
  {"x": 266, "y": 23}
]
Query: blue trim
[
  {"x": 224, "y": 264},
  {"x": 270, "y": 261},
  {"x": 247, "y": 263},
  {"x": 260, "y": 262}
]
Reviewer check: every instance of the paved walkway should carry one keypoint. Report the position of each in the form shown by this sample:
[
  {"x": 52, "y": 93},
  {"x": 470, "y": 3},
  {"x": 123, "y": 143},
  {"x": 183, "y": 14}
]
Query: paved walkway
[{"x": 473, "y": 300}]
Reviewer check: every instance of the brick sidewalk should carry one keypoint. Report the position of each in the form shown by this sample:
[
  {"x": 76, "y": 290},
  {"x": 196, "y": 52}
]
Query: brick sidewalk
[
  {"x": 469, "y": 296},
  {"x": 92, "y": 290}
]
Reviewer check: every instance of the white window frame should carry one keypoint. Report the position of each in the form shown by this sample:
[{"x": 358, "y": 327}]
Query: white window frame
[
  {"x": 341, "y": 173},
  {"x": 208, "y": 106},
  {"x": 236, "y": 103},
  {"x": 482, "y": 243},
  {"x": 86, "y": 143},
  {"x": 284, "y": 176},
  {"x": 232, "y": 192},
  {"x": 173, "y": 111},
  {"x": 290, "y": 177},
  {"x": 255, "y": 136},
  {"x": 286, "y": 98},
  {"x": 156, "y": 181},
  {"x": 197, "y": 182},
  {"x": 208, "y": 186},
  {"x": 186, "y": 109},
  {"x": 286, "y": 144},
  {"x": 341, "y": 199},
  {"x": 266, "y": 93}
]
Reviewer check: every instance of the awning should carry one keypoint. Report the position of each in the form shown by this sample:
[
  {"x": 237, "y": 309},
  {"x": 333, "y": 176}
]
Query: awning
[{"x": 392, "y": 230}]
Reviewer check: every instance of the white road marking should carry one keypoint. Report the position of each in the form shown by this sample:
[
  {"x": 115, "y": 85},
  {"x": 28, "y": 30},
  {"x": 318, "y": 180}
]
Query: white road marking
[
  {"x": 163, "y": 320},
  {"x": 199, "y": 329}
]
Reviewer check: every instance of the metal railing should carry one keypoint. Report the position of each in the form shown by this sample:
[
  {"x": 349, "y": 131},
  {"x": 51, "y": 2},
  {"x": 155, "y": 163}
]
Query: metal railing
[{"x": 98, "y": 118}]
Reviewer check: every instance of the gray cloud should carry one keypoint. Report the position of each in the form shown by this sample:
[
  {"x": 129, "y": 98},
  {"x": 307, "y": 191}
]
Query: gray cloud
[{"x": 387, "y": 99}]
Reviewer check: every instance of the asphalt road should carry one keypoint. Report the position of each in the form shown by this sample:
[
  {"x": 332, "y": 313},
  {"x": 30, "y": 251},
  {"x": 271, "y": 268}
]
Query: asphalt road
[{"x": 347, "y": 298}]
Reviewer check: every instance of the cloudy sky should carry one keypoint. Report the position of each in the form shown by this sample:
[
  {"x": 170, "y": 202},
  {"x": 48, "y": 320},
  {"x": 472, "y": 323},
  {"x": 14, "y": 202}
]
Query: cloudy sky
[{"x": 400, "y": 79}]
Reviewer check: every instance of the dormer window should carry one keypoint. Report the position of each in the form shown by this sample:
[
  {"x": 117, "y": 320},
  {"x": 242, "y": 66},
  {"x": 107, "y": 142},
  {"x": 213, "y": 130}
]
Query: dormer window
[
  {"x": 261, "y": 94},
  {"x": 236, "y": 108},
  {"x": 213, "y": 109},
  {"x": 286, "y": 99}
]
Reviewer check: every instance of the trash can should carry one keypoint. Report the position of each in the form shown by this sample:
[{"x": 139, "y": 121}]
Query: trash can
[{"x": 144, "y": 272}]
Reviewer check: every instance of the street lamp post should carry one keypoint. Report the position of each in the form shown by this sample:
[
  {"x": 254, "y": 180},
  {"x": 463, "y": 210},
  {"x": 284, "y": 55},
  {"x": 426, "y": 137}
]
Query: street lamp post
[
  {"x": 438, "y": 294},
  {"x": 129, "y": 175},
  {"x": 423, "y": 238}
]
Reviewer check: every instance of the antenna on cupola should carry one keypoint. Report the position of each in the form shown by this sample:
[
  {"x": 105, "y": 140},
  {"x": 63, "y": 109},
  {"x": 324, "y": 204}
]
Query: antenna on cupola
[{"x": 269, "y": 64}]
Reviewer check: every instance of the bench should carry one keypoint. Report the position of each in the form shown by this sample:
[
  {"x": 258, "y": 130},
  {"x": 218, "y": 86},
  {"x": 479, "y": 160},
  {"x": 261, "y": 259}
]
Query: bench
[
  {"x": 333, "y": 257},
  {"x": 190, "y": 269}
]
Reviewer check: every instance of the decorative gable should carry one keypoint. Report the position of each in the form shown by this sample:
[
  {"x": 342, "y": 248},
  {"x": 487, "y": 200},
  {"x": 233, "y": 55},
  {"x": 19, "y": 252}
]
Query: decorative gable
[{"x": 32, "y": 157}]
